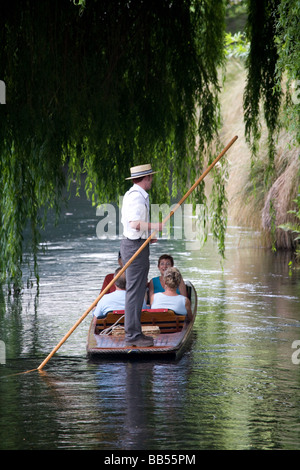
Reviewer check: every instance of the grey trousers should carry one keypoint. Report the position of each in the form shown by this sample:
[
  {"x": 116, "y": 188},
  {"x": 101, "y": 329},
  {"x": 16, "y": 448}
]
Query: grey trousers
[{"x": 136, "y": 283}]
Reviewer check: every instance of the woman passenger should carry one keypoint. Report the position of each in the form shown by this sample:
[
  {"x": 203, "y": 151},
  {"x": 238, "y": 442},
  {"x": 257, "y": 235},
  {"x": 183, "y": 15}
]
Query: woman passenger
[
  {"x": 157, "y": 284},
  {"x": 170, "y": 299}
]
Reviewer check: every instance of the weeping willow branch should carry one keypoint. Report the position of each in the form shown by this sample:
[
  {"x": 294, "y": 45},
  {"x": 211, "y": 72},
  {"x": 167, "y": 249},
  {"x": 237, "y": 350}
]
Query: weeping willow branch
[
  {"x": 96, "y": 90},
  {"x": 288, "y": 39},
  {"x": 261, "y": 86}
]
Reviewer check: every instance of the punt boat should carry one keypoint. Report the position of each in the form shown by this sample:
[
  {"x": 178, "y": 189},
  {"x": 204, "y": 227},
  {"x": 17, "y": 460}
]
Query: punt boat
[{"x": 169, "y": 330}]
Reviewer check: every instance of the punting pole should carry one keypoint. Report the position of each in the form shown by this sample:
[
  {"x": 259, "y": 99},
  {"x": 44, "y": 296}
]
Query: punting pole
[{"x": 136, "y": 254}]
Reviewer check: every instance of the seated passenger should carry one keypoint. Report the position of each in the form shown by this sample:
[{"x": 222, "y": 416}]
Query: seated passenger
[
  {"x": 157, "y": 284},
  {"x": 169, "y": 298},
  {"x": 114, "y": 300}
]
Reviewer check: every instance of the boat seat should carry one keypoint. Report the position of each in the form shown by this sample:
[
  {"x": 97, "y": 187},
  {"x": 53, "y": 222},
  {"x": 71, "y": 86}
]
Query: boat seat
[{"x": 167, "y": 320}]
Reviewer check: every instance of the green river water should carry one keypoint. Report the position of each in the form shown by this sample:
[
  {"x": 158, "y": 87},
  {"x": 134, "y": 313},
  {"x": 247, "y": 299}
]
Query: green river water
[{"x": 236, "y": 387}]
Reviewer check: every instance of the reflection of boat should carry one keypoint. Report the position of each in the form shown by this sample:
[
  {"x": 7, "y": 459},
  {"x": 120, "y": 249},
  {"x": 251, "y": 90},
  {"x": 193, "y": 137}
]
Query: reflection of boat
[{"x": 169, "y": 330}]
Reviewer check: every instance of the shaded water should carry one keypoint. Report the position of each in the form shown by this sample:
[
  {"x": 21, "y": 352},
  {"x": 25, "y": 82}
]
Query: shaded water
[{"x": 236, "y": 387}]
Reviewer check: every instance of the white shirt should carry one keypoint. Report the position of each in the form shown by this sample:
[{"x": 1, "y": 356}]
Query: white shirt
[
  {"x": 113, "y": 301},
  {"x": 175, "y": 303},
  {"x": 135, "y": 207}
]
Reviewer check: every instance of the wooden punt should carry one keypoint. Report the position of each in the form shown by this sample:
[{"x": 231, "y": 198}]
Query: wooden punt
[{"x": 170, "y": 332}]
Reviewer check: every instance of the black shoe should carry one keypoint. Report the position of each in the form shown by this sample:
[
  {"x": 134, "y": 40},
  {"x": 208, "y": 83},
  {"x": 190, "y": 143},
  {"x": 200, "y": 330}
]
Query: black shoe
[{"x": 141, "y": 341}]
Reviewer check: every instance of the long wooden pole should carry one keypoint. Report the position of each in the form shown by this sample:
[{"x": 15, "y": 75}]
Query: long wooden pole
[{"x": 135, "y": 255}]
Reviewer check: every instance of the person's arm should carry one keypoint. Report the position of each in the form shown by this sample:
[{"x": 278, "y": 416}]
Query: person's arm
[
  {"x": 151, "y": 291},
  {"x": 97, "y": 311},
  {"x": 140, "y": 225},
  {"x": 182, "y": 288},
  {"x": 136, "y": 214}
]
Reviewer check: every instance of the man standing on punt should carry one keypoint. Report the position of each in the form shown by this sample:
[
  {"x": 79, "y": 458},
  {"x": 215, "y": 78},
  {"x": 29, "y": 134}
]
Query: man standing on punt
[{"x": 136, "y": 225}]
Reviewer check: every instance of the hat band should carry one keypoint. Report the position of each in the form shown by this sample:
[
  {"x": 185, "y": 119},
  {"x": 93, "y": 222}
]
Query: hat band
[{"x": 141, "y": 173}]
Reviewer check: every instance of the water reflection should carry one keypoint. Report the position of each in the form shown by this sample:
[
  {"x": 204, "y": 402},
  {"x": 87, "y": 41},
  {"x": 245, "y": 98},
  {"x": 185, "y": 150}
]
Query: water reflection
[
  {"x": 235, "y": 387},
  {"x": 124, "y": 395}
]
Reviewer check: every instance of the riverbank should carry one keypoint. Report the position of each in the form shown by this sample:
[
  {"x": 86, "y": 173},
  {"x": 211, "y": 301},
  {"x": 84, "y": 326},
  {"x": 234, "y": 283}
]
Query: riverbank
[{"x": 250, "y": 202}]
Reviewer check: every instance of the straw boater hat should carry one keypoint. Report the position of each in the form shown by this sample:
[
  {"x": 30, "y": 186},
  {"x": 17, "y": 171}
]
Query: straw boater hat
[{"x": 141, "y": 170}]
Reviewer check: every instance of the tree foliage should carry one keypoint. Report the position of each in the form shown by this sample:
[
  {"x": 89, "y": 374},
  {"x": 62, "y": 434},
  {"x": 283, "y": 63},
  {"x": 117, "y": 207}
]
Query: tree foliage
[
  {"x": 94, "y": 87},
  {"x": 273, "y": 33},
  {"x": 98, "y": 89},
  {"x": 261, "y": 80},
  {"x": 273, "y": 66},
  {"x": 288, "y": 42}
]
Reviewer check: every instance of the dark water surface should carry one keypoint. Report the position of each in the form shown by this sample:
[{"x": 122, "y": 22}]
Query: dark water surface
[{"x": 236, "y": 387}]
